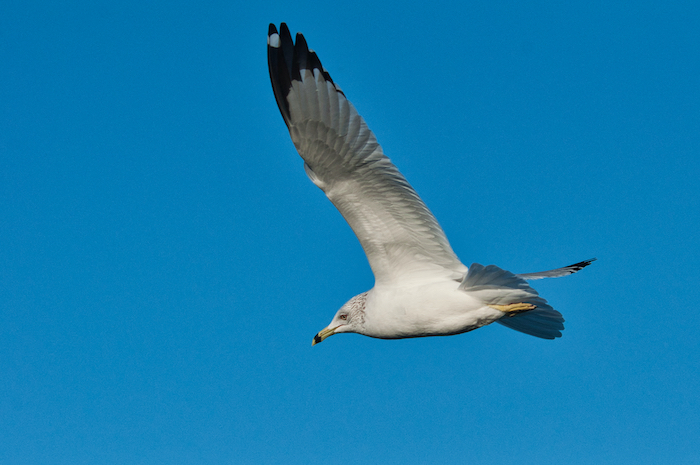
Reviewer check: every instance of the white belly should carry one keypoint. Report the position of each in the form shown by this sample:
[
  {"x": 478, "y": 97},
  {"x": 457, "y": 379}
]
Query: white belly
[{"x": 436, "y": 309}]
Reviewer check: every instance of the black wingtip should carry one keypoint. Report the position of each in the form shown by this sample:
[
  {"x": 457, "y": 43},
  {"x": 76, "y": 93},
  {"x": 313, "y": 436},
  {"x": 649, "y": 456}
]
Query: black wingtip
[
  {"x": 300, "y": 62},
  {"x": 286, "y": 60},
  {"x": 581, "y": 265},
  {"x": 287, "y": 47},
  {"x": 285, "y": 30},
  {"x": 277, "y": 44}
]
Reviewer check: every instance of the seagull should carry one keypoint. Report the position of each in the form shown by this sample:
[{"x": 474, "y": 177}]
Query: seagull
[{"x": 421, "y": 287}]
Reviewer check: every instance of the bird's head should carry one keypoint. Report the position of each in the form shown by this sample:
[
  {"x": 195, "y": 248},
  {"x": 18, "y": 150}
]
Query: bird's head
[{"x": 349, "y": 319}]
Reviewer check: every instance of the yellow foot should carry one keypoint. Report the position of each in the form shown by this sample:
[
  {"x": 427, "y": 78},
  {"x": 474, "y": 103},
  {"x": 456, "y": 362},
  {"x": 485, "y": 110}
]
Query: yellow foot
[{"x": 513, "y": 309}]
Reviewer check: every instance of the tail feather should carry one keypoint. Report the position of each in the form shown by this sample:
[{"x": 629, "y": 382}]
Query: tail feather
[
  {"x": 496, "y": 286},
  {"x": 533, "y": 324}
]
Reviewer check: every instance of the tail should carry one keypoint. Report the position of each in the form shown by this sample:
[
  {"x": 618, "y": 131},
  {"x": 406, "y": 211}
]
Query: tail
[{"x": 496, "y": 286}]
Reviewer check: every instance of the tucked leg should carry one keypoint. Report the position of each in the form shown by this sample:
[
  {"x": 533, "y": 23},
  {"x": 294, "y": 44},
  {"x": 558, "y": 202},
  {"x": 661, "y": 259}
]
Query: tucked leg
[{"x": 513, "y": 309}]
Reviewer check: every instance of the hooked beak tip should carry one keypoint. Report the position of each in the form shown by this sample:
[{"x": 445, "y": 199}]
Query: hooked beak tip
[{"x": 323, "y": 335}]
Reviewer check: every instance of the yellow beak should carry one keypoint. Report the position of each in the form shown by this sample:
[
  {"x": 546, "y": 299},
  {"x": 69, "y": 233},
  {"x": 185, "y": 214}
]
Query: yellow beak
[{"x": 323, "y": 334}]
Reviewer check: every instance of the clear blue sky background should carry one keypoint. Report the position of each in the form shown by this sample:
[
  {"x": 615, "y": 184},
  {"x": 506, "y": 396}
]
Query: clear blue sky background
[{"x": 165, "y": 262}]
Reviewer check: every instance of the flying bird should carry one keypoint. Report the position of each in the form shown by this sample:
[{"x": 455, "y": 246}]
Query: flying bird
[{"x": 421, "y": 287}]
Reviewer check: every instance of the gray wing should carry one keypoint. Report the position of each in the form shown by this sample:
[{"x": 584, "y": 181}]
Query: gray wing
[
  {"x": 559, "y": 272},
  {"x": 398, "y": 233}
]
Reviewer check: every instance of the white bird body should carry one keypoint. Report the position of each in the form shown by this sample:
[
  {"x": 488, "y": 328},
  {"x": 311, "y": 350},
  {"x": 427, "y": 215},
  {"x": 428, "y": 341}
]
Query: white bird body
[
  {"x": 421, "y": 287},
  {"x": 433, "y": 309}
]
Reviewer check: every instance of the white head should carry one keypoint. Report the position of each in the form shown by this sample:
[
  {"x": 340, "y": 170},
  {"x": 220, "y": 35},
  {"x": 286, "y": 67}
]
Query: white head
[{"x": 349, "y": 319}]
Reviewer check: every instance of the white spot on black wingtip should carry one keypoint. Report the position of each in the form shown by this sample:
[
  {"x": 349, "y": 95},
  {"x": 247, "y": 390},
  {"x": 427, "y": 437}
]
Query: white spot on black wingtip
[
  {"x": 272, "y": 29},
  {"x": 273, "y": 40}
]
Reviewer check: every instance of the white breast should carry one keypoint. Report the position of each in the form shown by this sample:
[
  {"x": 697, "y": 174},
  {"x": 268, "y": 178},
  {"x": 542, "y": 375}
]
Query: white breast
[{"x": 435, "y": 309}]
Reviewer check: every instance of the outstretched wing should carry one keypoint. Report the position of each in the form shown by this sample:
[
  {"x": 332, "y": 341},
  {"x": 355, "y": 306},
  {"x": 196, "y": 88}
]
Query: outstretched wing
[
  {"x": 559, "y": 272},
  {"x": 398, "y": 233}
]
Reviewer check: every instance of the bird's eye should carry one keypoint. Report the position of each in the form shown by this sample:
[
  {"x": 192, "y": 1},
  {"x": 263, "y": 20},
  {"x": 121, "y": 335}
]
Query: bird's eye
[{"x": 343, "y": 317}]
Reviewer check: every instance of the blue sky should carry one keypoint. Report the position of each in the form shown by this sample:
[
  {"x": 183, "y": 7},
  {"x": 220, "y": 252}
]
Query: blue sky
[{"x": 166, "y": 262}]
